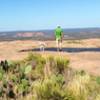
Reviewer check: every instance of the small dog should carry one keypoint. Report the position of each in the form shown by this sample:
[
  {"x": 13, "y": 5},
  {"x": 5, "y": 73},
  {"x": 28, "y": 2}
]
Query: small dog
[{"x": 42, "y": 46}]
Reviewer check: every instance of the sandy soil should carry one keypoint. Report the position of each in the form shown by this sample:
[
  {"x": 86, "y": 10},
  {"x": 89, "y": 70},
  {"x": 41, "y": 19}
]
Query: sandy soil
[{"x": 83, "y": 54}]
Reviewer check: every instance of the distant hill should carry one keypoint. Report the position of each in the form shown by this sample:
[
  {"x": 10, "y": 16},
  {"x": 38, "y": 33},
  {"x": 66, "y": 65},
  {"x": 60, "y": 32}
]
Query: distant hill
[{"x": 78, "y": 33}]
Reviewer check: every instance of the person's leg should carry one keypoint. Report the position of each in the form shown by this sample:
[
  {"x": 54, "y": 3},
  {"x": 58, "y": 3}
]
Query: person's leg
[
  {"x": 60, "y": 45},
  {"x": 57, "y": 44}
]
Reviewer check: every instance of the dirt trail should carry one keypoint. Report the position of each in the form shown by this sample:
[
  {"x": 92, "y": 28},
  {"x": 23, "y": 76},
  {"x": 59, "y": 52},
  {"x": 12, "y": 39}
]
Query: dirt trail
[{"x": 83, "y": 54}]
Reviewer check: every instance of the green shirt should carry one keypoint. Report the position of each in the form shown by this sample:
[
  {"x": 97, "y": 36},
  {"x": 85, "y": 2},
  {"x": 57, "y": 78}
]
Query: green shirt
[{"x": 58, "y": 33}]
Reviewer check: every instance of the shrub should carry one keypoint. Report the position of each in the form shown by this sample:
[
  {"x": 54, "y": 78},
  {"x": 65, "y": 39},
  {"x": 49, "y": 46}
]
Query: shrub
[
  {"x": 98, "y": 80},
  {"x": 61, "y": 64},
  {"x": 23, "y": 87},
  {"x": 1, "y": 76},
  {"x": 98, "y": 97},
  {"x": 78, "y": 87},
  {"x": 28, "y": 80},
  {"x": 34, "y": 57},
  {"x": 34, "y": 65},
  {"x": 57, "y": 64},
  {"x": 50, "y": 89},
  {"x": 28, "y": 69}
]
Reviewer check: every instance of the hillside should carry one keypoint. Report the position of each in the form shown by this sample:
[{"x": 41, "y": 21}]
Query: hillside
[
  {"x": 78, "y": 33},
  {"x": 83, "y": 54}
]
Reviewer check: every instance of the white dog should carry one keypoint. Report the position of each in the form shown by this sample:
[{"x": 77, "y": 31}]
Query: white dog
[{"x": 42, "y": 46}]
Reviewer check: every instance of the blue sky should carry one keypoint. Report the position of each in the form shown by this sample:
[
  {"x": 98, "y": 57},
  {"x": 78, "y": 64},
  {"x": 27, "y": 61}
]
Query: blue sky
[{"x": 47, "y": 14}]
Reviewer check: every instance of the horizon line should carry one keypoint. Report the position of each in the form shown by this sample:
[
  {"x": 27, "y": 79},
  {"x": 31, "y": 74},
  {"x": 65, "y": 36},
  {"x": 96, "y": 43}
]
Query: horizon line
[{"x": 37, "y": 30}]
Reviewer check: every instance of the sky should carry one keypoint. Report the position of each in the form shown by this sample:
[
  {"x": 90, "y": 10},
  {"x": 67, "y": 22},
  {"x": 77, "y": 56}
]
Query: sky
[{"x": 47, "y": 14}]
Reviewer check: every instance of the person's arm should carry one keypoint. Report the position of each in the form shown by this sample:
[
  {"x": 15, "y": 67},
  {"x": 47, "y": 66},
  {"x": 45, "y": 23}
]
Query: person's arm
[{"x": 62, "y": 35}]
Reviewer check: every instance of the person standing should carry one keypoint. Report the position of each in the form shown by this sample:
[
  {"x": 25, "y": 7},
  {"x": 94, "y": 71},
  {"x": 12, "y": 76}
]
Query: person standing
[{"x": 59, "y": 37}]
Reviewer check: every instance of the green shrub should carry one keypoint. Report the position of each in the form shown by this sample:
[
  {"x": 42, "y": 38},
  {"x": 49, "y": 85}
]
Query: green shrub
[
  {"x": 23, "y": 86},
  {"x": 61, "y": 64},
  {"x": 28, "y": 69},
  {"x": 50, "y": 89},
  {"x": 13, "y": 64},
  {"x": 34, "y": 65},
  {"x": 1, "y": 76},
  {"x": 39, "y": 72},
  {"x": 34, "y": 57},
  {"x": 57, "y": 64},
  {"x": 14, "y": 78}
]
